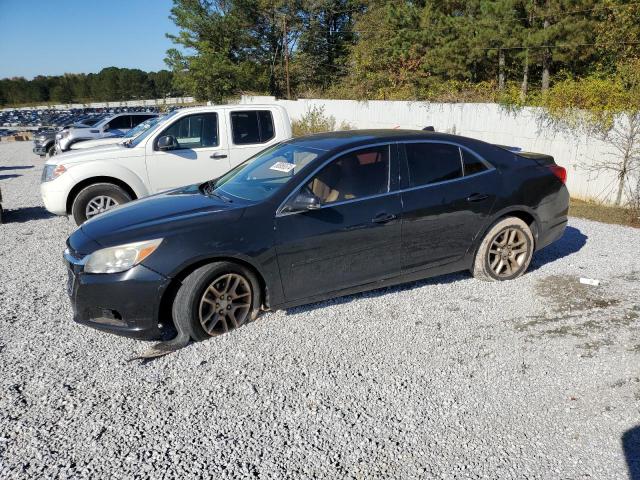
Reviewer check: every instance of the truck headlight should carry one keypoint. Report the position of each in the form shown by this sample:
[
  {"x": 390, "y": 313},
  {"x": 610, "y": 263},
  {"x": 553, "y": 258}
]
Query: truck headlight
[
  {"x": 51, "y": 172},
  {"x": 120, "y": 258}
]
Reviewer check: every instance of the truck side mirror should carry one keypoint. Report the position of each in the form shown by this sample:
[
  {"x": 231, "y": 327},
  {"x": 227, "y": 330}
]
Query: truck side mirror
[{"x": 167, "y": 142}]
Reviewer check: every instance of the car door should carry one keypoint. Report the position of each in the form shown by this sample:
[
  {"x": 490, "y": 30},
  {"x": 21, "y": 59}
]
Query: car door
[
  {"x": 444, "y": 206},
  {"x": 353, "y": 237},
  {"x": 251, "y": 131},
  {"x": 201, "y": 153}
]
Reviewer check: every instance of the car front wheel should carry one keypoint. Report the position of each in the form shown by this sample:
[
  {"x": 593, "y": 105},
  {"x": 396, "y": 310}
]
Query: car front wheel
[
  {"x": 505, "y": 251},
  {"x": 95, "y": 199},
  {"x": 215, "y": 299}
]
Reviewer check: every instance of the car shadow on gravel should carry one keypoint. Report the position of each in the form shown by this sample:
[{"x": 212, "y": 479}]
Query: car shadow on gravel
[
  {"x": 571, "y": 242},
  {"x": 17, "y": 167},
  {"x": 11, "y": 175},
  {"x": 438, "y": 280},
  {"x": 26, "y": 214},
  {"x": 631, "y": 448}
]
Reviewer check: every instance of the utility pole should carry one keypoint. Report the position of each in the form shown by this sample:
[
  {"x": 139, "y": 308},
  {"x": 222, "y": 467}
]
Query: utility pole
[{"x": 286, "y": 56}]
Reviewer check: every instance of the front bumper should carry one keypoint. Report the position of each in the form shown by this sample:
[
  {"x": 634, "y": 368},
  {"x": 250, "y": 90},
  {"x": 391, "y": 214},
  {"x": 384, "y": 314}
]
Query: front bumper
[
  {"x": 55, "y": 192},
  {"x": 40, "y": 150},
  {"x": 122, "y": 303}
]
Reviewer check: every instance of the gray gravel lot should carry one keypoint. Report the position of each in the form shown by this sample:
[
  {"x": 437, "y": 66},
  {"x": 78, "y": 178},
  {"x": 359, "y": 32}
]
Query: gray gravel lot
[{"x": 450, "y": 377}]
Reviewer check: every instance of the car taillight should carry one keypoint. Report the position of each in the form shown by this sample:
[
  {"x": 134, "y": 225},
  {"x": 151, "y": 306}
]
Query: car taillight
[{"x": 559, "y": 172}]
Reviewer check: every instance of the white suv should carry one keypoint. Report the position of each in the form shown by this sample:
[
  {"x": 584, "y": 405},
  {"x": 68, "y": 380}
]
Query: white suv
[{"x": 186, "y": 146}]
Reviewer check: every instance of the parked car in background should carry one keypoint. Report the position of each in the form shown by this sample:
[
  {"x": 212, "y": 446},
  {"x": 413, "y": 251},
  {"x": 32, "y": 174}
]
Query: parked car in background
[
  {"x": 133, "y": 133},
  {"x": 313, "y": 218},
  {"x": 112, "y": 125},
  {"x": 44, "y": 142},
  {"x": 187, "y": 146}
]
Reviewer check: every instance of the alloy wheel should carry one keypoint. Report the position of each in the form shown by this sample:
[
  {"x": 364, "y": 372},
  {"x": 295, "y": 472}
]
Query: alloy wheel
[
  {"x": 99, "y": 204},
  {"x": 225, "y": 304},
  {"x": 508, "y": 252}
]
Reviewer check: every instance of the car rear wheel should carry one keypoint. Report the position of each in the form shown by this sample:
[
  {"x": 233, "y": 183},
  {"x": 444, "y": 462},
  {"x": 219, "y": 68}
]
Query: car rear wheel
[
  {"x": 505, "y": 251},
  {"x": 95, "y": 199},
  {"x": 215, "y": 299}
]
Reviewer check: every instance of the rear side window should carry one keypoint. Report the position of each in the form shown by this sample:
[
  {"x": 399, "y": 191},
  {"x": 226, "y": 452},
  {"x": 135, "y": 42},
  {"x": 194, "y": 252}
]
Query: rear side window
[
  {"x": 195, "y": 131},
  {"x": 252, "y": 126},
  {"x": 138, "y": 119},
  {"x": 472, "y": 164},
  {"x": 123, "y": 122},
  {"x": 432, "y": 162}
]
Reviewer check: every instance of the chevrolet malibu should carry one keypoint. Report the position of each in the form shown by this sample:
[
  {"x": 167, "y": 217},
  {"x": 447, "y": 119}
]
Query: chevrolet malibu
[{"x": 312, "y": 218}]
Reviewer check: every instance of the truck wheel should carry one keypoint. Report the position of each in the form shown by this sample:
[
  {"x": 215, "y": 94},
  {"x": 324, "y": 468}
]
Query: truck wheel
[
  {"x": 215, "y": 299},
  {"x": 51, "y": 151},
  {"x": 95, "y": 199}
]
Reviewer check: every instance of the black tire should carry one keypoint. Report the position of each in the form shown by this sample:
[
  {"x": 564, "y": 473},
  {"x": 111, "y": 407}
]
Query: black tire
[
  {"x": 93, "y": 192},
  {"x": 189, "y": 304},
  {"x": 498, "y": 258},
  {"x": 51, "y": 151}
]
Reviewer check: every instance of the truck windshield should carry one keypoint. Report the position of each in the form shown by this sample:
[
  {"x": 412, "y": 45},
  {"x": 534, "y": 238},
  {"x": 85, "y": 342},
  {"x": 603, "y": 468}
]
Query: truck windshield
[
  {"x": 158, "y": 121},
  {"x": 265, "y": 173},
  {"x": 147, "y": 124}
]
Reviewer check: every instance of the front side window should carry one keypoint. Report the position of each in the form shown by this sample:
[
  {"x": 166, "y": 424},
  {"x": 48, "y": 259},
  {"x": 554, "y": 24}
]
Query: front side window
[
  {"x": 194, "y": 131},
  {"x": 252, "y": 126},
  {"x": 432, "y": 163},
  {"x": 357, "y": 174}
]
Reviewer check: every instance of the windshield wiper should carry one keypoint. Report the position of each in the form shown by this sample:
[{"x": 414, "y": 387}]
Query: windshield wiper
[{"x": 209, "y": 189}]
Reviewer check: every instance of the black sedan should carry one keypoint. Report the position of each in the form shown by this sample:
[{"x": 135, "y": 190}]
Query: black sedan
[{"x": 313, "y": 218}]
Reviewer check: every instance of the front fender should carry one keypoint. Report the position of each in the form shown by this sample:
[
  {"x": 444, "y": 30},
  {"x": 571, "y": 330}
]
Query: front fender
[{"x": 105, "y": 170}]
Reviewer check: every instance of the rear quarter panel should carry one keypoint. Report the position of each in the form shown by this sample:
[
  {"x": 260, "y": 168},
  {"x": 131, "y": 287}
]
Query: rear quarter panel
[{"x": 527, "y": 186}]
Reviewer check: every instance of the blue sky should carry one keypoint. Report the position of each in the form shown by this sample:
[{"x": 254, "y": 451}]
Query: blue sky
[{"x": 52, "y": 37}]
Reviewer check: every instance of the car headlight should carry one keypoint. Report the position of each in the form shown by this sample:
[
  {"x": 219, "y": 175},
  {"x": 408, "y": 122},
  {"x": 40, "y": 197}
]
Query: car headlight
[
  {"x": 51, "y": 172},
  {"x": 120, "y": 258}
]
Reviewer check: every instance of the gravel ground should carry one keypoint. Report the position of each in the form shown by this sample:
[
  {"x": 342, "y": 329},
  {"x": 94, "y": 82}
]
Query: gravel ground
[{"x": 450, "y": 377}]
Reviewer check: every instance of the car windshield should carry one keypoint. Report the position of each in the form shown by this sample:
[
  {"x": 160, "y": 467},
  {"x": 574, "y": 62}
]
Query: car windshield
[
  {"x": 265, "y": 173},
  {"x": 135, "y": 131},
  {"x": 157, "y": 121}
]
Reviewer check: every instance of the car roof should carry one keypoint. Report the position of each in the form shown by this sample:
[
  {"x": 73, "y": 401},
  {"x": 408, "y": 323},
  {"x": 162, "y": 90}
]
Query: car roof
[{"x": 353, "y": 138}]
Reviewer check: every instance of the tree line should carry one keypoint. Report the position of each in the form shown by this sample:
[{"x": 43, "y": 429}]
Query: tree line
[
  {"x": 393, "y": 49},
  {"x": 109, "y": 84}
]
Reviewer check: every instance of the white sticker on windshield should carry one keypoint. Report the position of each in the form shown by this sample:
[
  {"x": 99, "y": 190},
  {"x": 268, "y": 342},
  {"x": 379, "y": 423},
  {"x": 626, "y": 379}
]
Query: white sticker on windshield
[{"x": 283, "y": 167}]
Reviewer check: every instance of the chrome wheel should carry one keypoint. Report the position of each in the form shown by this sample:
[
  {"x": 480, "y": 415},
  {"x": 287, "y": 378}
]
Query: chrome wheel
[
  {"x": 508, "y": 252},
  {"x": 225, "y": 304},
  {"x": 99, "y": 204}
]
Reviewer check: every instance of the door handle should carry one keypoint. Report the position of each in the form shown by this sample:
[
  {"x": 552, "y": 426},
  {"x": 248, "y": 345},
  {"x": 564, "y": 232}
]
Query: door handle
[
  {"x": 477, "y": 197},
  {"x": 218, "y": 155},
  {"x": 383, "y": 218}
]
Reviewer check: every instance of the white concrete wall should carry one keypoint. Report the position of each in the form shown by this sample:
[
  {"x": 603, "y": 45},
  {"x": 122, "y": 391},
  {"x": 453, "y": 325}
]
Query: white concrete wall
[
  {"x": 488, "y": 122},
  {"x": 128, "y": 103}
]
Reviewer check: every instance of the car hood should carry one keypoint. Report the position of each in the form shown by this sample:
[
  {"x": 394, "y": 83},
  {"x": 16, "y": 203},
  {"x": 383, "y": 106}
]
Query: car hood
[
  {"x": 101, "y": 152},
  {"x": 97, "y": 143},
  {"x": 159, "y": 216}
]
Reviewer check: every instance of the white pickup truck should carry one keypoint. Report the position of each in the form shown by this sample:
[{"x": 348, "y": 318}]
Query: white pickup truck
[{"x": 186, "y": 146}]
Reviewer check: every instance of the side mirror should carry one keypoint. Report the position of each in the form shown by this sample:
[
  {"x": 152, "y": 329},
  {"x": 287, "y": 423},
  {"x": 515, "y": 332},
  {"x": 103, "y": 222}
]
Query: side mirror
[
  {"x": 168, "y": 142},
  {"x": 106, "y": 127},
  {"x": 304, "y": 200}
]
